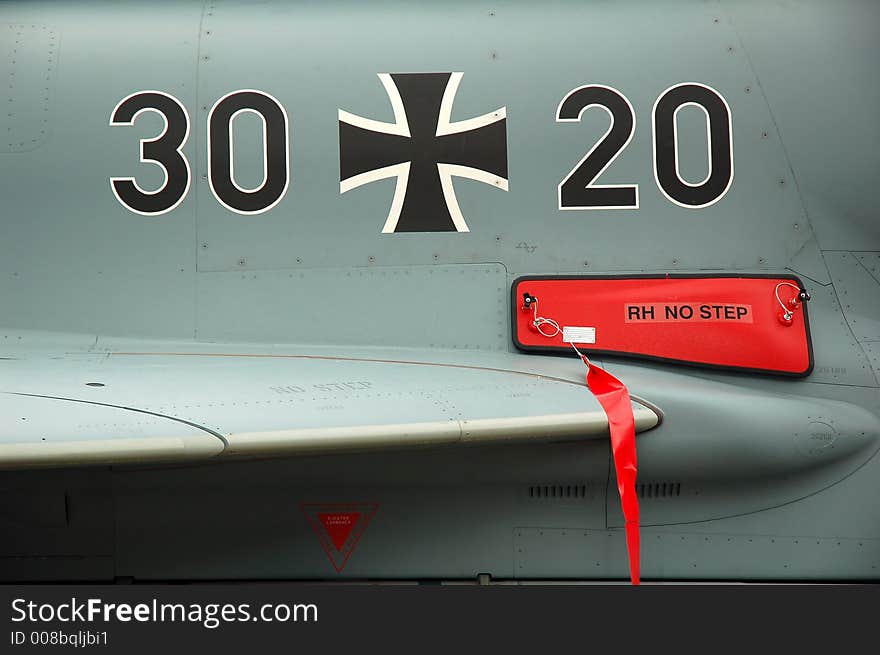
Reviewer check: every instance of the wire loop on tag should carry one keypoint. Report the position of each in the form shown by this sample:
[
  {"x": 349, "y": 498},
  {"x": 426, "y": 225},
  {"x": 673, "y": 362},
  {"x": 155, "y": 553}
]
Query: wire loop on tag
[
  {"x": 541, "y": 321},
  {"x": 787, "y": 312}
]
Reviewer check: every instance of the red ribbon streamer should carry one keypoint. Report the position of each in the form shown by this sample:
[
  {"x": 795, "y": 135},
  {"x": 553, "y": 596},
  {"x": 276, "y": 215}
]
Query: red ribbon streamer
[{"x": 614, "y": 398}]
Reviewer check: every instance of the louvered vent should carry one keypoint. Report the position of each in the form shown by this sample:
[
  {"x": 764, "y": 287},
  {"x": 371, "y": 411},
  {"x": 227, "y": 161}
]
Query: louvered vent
[
  {"x": 559, "y": 491},
  {"x": 658, "y": 489}
]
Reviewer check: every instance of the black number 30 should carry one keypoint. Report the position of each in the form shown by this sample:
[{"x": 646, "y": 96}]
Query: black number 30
[
  {"x": 221, "y": 159},
  {"x": 166, "y": 151}
]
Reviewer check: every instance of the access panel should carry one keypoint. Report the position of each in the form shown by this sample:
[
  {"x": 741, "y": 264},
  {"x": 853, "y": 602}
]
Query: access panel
[{"x": 755, "y": 323}]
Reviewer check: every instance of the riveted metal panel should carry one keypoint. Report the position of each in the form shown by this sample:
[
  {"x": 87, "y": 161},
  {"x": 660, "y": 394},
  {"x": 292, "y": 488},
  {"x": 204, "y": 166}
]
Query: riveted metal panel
[
  {"x": 28, "y": 61},
  {"x": 578, "y": 553},
  {"x": 421, "y": 306}
]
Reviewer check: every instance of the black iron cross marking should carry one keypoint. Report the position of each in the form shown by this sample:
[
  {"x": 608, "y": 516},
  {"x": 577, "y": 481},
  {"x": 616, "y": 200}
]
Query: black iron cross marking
[{"x": 423, "y": 149}]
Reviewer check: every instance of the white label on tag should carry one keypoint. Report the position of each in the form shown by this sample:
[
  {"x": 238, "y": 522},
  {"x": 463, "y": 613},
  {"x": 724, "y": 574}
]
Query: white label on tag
[{"x": 572, "y": 334}]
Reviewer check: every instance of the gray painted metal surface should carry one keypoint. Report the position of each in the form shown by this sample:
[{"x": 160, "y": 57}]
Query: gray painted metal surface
[{"x": 746, "y": 477}]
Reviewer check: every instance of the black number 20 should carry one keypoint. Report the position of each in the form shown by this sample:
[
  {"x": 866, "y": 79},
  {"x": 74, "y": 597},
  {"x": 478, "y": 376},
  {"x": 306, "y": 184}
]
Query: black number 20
[
  {"x": 719, "y": 136},
  {"x": 578, "y": 191}
]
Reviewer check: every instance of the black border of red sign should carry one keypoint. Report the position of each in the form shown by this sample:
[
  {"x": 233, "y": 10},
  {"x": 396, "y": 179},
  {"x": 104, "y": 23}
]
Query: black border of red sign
[{"x": 564, "y": 350}]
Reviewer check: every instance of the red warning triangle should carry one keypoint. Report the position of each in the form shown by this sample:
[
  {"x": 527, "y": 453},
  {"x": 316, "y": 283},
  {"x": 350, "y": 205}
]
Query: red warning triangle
[{"x": 339, "y": 527}]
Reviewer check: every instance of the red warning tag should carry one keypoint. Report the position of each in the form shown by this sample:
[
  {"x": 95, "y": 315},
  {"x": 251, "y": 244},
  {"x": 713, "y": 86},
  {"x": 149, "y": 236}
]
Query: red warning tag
[
  {"x": 339, "y": 527},
  {"x": 613, "y": 395}
]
